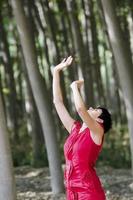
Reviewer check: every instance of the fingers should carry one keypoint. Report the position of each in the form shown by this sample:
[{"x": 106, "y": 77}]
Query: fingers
[
  {"x": 67, "y": 60},
  {"x": 63, "y": 60}
]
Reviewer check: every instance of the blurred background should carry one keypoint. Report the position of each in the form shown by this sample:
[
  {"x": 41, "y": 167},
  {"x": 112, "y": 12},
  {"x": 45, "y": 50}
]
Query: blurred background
[{"x": 35, "y": 35}]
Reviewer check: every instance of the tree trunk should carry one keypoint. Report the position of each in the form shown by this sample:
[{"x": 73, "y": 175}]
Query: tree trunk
[
  {"x": 34, "y": 126},
  {"x": 7, "y": 182},
  {"x": 123, "y": 61},
  {"x": 41, "y": 97},
  {"x": 89, "y": 51},
  {"x": 130, "y": 27},
  {"x": 84, "y": 70},
  {"x": 53, "y": 28},
  {"x": 96, "y": 58}
]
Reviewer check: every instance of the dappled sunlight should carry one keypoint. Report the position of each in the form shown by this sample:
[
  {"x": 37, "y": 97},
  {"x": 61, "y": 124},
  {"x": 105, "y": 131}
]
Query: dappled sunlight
[
  {"x": 46, "y": 48},
  {"x": 118, "y": 183}
]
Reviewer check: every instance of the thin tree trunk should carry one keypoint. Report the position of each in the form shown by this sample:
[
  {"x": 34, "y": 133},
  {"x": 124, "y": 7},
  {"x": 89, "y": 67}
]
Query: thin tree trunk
[
  {"x": 41, "y": 97},
  {"x": 130, "y": 27},
  {"x": 84, "y": 70},
  {"x": 33, "y": 120},
  {"x": 1, "y": 87},
  {"x": 46, "y": 54},
  {"x": 53, "y": 27},
  {"x": 7, "y": 181},
  {"x": 96, "y": 58},
  {"x": 89, "y": 50},
  {"x": 120, "y": 104},
  {"x": 123, "y": 61}
]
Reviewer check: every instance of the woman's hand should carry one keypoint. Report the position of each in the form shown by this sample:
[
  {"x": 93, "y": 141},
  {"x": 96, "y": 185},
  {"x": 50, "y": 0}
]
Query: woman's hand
[
  {"x": 77, "y": 83},
  {"x": 65, "y": 63}
]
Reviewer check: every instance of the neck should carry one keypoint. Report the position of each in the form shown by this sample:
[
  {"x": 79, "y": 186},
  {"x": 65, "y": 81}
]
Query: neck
[{"x": 84, "y": 125}]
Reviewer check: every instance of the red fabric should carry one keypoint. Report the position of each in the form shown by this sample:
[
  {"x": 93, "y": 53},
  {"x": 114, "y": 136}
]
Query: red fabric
[{"x": 81, "y": 153}]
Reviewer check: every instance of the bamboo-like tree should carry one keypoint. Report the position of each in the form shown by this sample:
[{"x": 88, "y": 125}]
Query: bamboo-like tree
[
  {"x": 7, "y": 181},
  {"x": 123, "y": 62},
  {"x": 40, "y": 95}
]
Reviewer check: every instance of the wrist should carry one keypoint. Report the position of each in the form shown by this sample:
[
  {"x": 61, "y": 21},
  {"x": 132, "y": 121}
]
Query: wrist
[
  {"x": 74, "y": 86},
  {"x": 56, "y": 70}
]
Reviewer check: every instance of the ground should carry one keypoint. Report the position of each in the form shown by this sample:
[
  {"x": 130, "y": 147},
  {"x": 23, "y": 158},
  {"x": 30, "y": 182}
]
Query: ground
[{"x": 34, "y": 184}]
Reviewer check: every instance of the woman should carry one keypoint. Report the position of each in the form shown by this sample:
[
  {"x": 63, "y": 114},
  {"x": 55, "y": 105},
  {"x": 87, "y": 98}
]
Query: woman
[{"x": 84, "y": 142}]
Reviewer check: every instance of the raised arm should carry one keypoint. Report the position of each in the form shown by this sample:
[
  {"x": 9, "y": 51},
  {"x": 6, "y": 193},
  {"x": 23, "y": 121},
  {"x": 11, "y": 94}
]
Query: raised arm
[
  {"x": 63, "y": 114},
  {"x": 82, "y": 110}
]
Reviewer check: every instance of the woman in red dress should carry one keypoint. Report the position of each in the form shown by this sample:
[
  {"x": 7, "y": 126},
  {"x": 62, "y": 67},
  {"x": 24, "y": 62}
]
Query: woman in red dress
[{"x": 84, "y": 143}]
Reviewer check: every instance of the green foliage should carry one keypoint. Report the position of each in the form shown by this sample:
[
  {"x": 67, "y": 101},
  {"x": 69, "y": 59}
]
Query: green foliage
[
  {"x": 42, "y": 160},
  {"x": 116, "y": 149},
  {"x": 59, "y": 36},
  {"x": 115, "y": 152},
  {"x": 21, "y": 149},
  {"x": 6, "y": 91}
]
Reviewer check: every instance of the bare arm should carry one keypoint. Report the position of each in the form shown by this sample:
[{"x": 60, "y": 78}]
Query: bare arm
[
  {"x": 57, "y": 94},
  {"x": 82, "y": 110},
  {"x": 63, "y": 114}
]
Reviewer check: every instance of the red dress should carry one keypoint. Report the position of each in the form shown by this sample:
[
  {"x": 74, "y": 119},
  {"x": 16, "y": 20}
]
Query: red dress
[{"x": 81, "y": 153}]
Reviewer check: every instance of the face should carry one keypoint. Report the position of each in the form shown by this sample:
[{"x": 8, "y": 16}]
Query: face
[{"x": 94, "y": 112}]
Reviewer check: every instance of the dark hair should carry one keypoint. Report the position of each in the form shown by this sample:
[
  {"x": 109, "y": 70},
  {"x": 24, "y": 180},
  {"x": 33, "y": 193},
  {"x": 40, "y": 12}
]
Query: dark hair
[{"x": 106, "y": 116}]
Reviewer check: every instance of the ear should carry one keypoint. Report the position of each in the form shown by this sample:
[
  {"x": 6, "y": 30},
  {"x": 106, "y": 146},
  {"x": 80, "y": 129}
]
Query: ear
[{"x": 99, "y": 120}]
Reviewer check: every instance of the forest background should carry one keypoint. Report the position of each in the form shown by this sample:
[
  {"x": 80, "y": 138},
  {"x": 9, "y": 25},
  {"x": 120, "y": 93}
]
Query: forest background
[{"x": 37, "y": 35}]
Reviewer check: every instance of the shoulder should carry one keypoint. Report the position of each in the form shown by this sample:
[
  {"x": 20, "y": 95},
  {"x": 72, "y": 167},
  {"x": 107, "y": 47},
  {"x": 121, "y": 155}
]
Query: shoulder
[{"x": 76, "y": 125}]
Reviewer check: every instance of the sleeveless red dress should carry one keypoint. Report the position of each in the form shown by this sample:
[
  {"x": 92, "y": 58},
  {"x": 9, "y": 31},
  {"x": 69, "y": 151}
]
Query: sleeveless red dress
[{"x": 80, "y": 178}]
